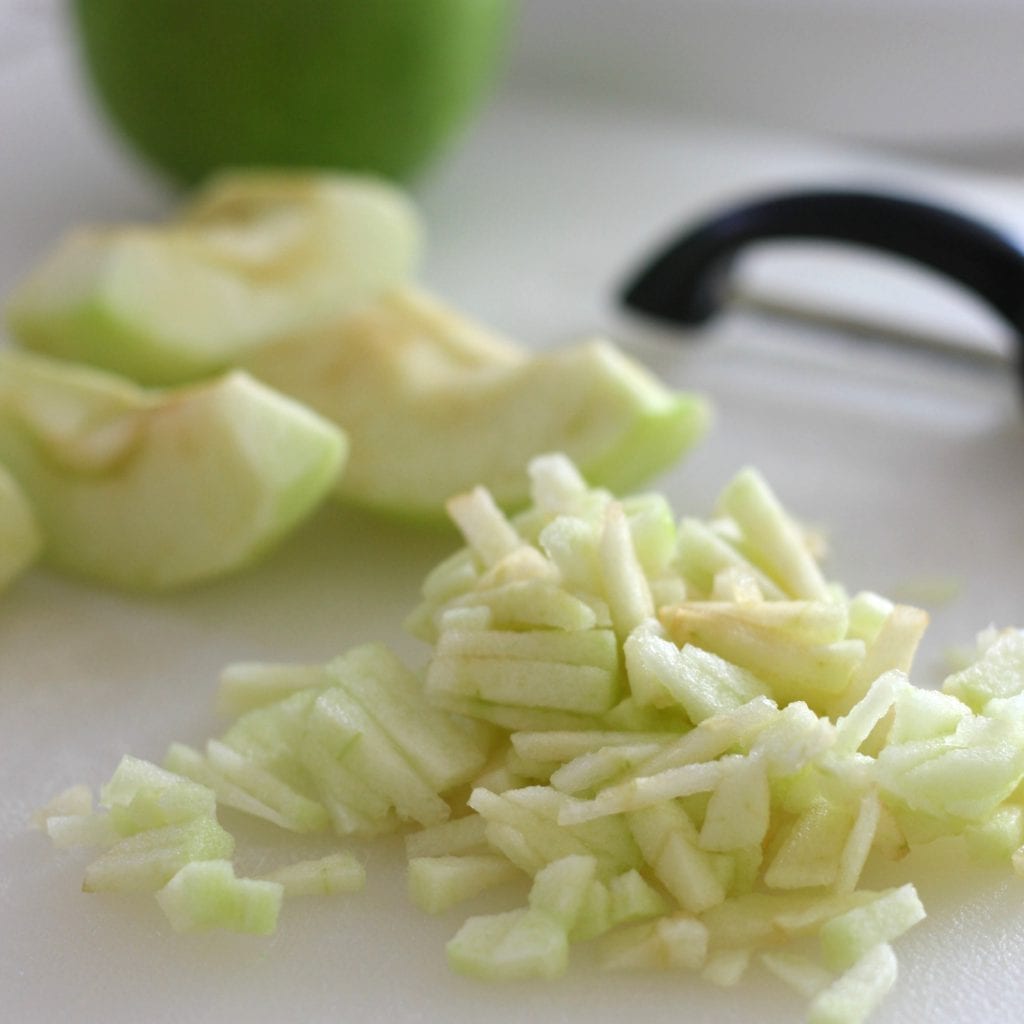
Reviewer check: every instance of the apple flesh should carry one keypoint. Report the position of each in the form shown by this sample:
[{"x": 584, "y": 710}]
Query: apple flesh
[
  {"x": 159, "y": 489},
  {"x": 20, "y": 537},
  {"x": 435, "y": 404},
  {"x": 252, "y": 255}
]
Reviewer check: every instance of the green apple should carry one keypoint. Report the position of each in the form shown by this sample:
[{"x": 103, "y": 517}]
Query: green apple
[
  {"x": 322, "y": 83},
  {"x": 252, "y": 255},
  {"x": 159, "y": 489},
  {"x": 434, "y": 404}
]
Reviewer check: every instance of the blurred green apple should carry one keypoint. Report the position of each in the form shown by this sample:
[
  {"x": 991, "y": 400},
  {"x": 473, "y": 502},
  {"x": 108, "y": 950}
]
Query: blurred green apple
[{"x": 367, "y": 85}]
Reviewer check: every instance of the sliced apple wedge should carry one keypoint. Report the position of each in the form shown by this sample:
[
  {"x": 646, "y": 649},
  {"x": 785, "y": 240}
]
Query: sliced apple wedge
[
  {"x": 20, "y": 538},
  {"x": 435, "y": 404},
  {"x": 159, "y": 489},
  {"x": 254, "y": 255}
]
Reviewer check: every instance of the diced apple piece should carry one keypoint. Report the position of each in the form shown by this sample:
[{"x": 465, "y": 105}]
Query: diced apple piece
[
  {"x": 595, "y": 647},
  {"x": 799, "y": 972},
  {"x": 794, "y": 670},
  {"x": 158, "y": 490},
  {"x": 685, "y": 940},
  {"x": 509, "y": 717},
  {"x": 565, "y": 746},
  {"x": 738, "y": 812},
  {"x": 891, "y": 649},
  {"x": 206, "y": 894},
  {"x": 568, "y": 671},
  {"x": 297, "y": 812},
  {"x": 853, "y": 995},
  {"x": 488, "y": 534},
  {"x": 668, "y": 842},
  {"x": 637, "y": 948},
  {"x": 560, "y": 888},
  {"x": 145, "y": 861},
  {"x": 811, "y": 849},
  {"x": 726, "y": 967},
  {"x": 859, "y": 842},
  {"x": 437, "y": 883},
  {"x": 998, "y": 672},
  {"x": 703, "y": 554},
  {"x": 922, "y": 714},
  {"x": 435, "y": 405},
  {"x": 368, "y": 752},
  {"x": 965, "y": 776},
  {"x": 996, "y": 838},
  {"x": 519, "y": 604},
  {"x": 625, "y": 585},
  {"x": 847, "y": 938},
  {"x": 247, "y": 685},
  {"x": 140, "y": 795},
  {"x": 714, "y": 736},
  {"x": 75, "y": 800},
  {"x": 534, "y": 813},
  {"x": 355, "y": 805},
  {"x": 272, "y": 738},
  {"x": 253, "y": 255},
  {"x": 644, "y": 792},
  {"x": 191, "y": 763},
  {"x": 456, "y": 836},
  {"x": 633, "y": 898},
  {"x": 444, "y": 754},
  {"x": 599, "y": 767},
  {"x": 856, "y": 725},
  {"x": 326, "y": 876},
  {"x": 776, "y": 542},
  {"x": 702, "y": 683},
  {"x": 519, "y": 944}
]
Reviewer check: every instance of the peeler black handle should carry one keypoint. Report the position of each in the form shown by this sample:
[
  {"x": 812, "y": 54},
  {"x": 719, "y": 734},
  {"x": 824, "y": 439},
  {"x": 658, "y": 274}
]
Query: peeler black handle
[{"x": 685, "y": 282}]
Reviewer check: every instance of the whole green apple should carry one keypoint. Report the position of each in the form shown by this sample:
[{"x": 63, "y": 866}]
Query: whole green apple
[{"x": 368, "y": 85}]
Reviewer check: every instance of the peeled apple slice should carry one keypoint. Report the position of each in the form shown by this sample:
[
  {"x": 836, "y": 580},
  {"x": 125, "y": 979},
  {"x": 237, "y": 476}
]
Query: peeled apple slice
[
  {"x": 20, "y": 539},
  {"x": 435, "y": 404},
  {"x": 254, "y": 255},
  {"x": 159, "y": 489}
]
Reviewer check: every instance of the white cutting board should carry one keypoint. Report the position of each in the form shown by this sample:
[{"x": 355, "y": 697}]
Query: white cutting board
[{"x": 917, "y": 473}]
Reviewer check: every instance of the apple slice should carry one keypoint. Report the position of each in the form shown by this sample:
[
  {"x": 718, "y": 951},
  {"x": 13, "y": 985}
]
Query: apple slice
[
  {"x": 159, "y": 489},
  {"x": 435, "y": 405},
  {"x": 254, "y": 255},
  {"x": 20, "y": 538}
]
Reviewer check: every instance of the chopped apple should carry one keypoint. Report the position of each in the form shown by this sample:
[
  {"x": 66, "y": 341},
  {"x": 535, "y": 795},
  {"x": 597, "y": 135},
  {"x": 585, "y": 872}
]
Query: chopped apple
[
  {"x": 207, "y": 894},
  {"x": 326, "y": 876}
]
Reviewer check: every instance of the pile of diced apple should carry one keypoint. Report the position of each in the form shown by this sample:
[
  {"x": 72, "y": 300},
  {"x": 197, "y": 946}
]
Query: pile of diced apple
[{"x": 674, "y": 738}]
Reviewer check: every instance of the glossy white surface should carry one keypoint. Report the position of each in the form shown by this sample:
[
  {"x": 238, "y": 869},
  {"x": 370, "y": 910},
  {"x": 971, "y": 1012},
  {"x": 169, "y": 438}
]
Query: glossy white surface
[{"x": 916, "y": 472}]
